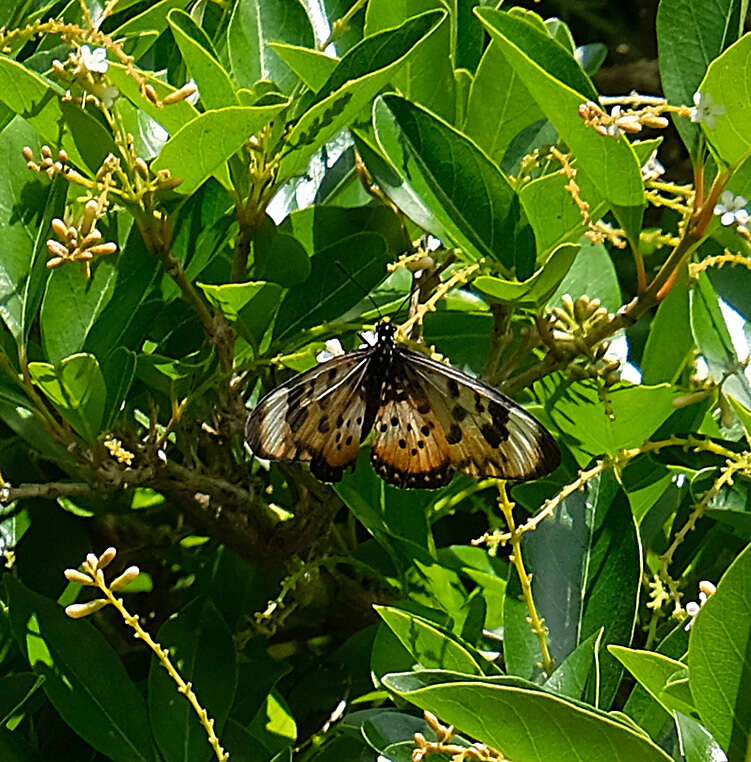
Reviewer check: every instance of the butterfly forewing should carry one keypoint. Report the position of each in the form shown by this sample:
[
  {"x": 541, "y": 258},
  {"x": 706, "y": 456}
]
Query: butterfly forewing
[
  {"x": 487, "y": 433},
  {"x": 318, "y": 416}
]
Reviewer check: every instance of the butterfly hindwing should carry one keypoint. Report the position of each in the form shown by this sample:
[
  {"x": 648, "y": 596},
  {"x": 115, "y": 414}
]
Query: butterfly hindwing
[
  {"x": 318, "y": 416},
  {"x": 488, "y": 435},
  {"x": 409, "y": 448}
]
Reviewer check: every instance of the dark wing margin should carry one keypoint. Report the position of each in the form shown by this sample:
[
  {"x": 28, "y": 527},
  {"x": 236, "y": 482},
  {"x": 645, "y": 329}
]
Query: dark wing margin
[
  {"x": 317, "y": 417},
  {"x": 488, "y": 434}
]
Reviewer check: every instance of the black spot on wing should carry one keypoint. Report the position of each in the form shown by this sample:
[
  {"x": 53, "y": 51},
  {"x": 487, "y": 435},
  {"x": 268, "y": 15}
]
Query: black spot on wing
[
  {"x": 453, "y": 388},
  {"x": 454, "y": 434}
]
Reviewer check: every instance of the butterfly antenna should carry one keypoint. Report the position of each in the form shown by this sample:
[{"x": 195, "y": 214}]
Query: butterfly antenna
[{"x": 360, "y": 286}]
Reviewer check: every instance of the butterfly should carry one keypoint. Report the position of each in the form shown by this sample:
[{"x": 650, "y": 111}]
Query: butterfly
[{"x": 430, "y": 419}]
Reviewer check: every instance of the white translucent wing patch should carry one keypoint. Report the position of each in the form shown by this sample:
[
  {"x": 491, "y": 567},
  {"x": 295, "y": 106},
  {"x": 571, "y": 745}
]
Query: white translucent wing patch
[
  {"x": 318, "y": 417},
  {"x": 487, "y": 433}
]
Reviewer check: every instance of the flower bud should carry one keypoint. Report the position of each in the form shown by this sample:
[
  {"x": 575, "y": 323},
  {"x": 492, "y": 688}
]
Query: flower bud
[
  {"x": 80, "y": 610},
  {"x": 103, "y": 248},
  {"x": 56, "y": 248},
  {"x": 73, "y": 575},
  {"x": 125, "y": 578},
  {"x": 28, "y": 154},
  {"x": 106, "y": 558},
  {"x": 150, "y": 93},
  {"x": 60, "y": 228}
]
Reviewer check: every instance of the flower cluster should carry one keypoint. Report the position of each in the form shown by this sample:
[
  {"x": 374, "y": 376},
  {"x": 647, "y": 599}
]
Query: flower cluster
[
  {"x": 117, "y": 451},
  {"x": 620, "y": 121},
  {"x": 706, "y": 590},
  {"x": 87, "y": 69}
]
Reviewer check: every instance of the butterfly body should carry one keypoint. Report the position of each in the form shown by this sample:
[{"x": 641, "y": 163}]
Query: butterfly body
[{"x": 430, "y": 420}]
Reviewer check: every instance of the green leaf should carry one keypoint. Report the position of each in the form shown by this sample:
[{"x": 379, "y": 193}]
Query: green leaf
[
  {"x": 570, "y": 677},
  {"x": 252, "y": 26},
  {"x": 592, "y": 274},
  {"x": 361, "y": 73},
  {"x": 76, "y": 388},
  {"x": 586, "y": 569},
  {"x": 118, "y": 371},
  {"x": 22, "y": 219},
  {"x": 430, "y": 645},
  {"x": 535, "y": 291},
  {"x": 72, "y": 303},
  {"x": 654, "y": 672},
  {"x": 690, "y": 34},
  {"x": 202, "y": 651},
  {"x": 728, "y": 87},
  {"x": 669, "y": 341},
  {"x": 15, "y": 691},
  {"x": 199, "y": 148},
  {"x": 328, "y": 292},
  {"x": 84, "y": 678},
  {"x": 63, "y": 125},
  {"x": 252, "y": 305},
  {"x": 635, "y": 413},
  {"x": 611, "y": 164},
  {"x": 311, "y": 66},
  {"x": 213, "y": 82},
  {"x": 279, "y": 257},
  {"x": 713, "y": 341},
  {"x": 696, "y": 741},
  {"x": 172, "y": 118},
  {"x": 470, "y": 196},
  {"x": 498, "y": 714},
  {"x": 428, "y": 77},
  {"x": 719, "y": 659},
  {"x": 500, "y": 107},
  {"x": 146, "y": 27}
]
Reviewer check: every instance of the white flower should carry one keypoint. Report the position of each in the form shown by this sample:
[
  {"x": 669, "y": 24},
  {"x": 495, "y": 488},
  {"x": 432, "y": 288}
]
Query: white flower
[
  {"x": 333, "y": 349},
  {"x": 732, "y": 209},
  {"x": 653, "y": 169},
  {"x": 705, "y": 110},
  {"x": 706, "y": 589},
  {"x": 369, "y": 339},
  {"x": 94, "y": 60},
  {"x": 614, "y": 129}
]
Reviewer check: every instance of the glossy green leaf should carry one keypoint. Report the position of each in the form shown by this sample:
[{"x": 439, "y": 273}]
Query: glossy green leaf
[
  {"x": 279, "y": 257},
  {"x": 696, "y": 741},
  {"x": 76, "y": 388},
  {"x": 18, "y": 229},
  {"x": 535, "y": 291},
  {"x": 714, "y": 342},
  {"x": 428, "y": 77},
  {"x": 328, "y": 292},
  {"x": 15, "y": 691},
  {"x": 593, "y": 274},
  {"x": 727, "y": 85},
  {"x": 152, "y": 20},
  {"x": 610, "y": 164},
  {"x": 199, "y": 148},
  {"x": 253, "y": 25},
  {"x": 669, "y": 341},
  {"x": 654, "y": 672},
  {"x": 172, "y": 118},
  {"x": 214, "y": 84},
  {"x": 500, "y": 106},
  {"x": 464, "y": 189},
  {"x": 357, "y": 78},
  {"x": 311, "y": 66},
  {"x": 499, "y": 713},
  {"x": 570, "y": 677},
  {"x": 431, "y": 647},
  {"x": 690, "y": 34},
  {"x": 202, "y": 650},
  {"x": 81, "y": 671},
  {"x": 71, "y": 305},
  {"x": 719, "y": 659},
  {"x": 118, "y": 371},
  {"x": 251, "y": 305},
  {"x": 60, "y": 124},
  {"x": 635, "y": 413}
]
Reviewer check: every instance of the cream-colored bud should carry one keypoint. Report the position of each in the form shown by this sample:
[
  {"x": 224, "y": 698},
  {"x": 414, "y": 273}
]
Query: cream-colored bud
[
  {"x": 93, "y": 237},
  {"x": 62, "y": 155},
  {"x": 28, "y": 154},
  {"x": 46, "y": 152},
  {"x": 125, "y": 578},
  {"x": 142, "y": 167},
  {"x": 629, "y": 123},
  {"x": 150, "y": 93},
  {"x": 106, "y": 558},
  {"x": 56, "y": 248},
  {"x": 650, "y": 120},
  {"x": 73, "y": 575},
  {"x": 79, "y": 610},
  {"x": 91, "y": 561},
  {"x": 103, "y": 248},
  {"x": 180, "y": 95},
  {"x": 55, "y": 262},
  {"x": 89, "y": 215},
  {"x": 707, "y": 587},
  {"x": 32, "y": 165},
  {"x": 60, "y": 228}
]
